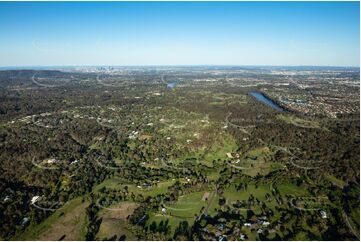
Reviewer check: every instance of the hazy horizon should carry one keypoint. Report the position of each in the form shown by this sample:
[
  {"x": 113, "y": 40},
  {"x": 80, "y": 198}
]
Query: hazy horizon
[{"x": 175, "y": 65}]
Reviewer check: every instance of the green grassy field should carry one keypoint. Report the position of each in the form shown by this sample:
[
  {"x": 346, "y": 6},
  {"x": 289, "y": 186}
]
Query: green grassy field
[
  {"x": 173, "y": 221},
  {"x": 185, "y": 208},
  {"x": 293, "y": 190},
  {"x": 68, "y": 221},
  {"x": 187, "y": 205},
  {"x": 233, "y": 195},
  {"x": 161, "y": 188},
  {"x": 116, "y": 183},
  {"x": 257, "y": 161},
  {"x": 219, "y": 150}
]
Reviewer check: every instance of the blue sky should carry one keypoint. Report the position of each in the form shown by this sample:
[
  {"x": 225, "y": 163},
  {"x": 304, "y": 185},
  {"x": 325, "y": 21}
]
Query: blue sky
[{"x": 179, "y": 33}]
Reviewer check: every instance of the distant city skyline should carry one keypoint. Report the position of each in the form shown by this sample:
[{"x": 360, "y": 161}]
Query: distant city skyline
[{"x": 179, "y": 33}]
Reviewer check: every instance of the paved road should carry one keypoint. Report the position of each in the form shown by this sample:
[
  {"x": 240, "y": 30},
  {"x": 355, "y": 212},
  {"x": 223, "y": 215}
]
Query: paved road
[{"x": 306, "y": 209}]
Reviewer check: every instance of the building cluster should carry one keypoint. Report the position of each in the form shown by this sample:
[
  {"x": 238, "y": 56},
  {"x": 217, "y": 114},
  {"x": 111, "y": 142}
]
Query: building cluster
[{"x": 330, "y": 99}]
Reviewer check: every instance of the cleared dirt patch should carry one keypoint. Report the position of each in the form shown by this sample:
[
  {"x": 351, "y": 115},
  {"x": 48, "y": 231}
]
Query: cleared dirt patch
[
  {"x": 114, "y": 221},
  {"x": 205, "y": 196},
  {"x": 145, "y": 137}
]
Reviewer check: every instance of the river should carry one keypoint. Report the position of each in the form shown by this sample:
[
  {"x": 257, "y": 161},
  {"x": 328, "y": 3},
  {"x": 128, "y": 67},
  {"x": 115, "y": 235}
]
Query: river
[
  {"x": 172, "y": 85},
  {"x": 262, "y": 98}
]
